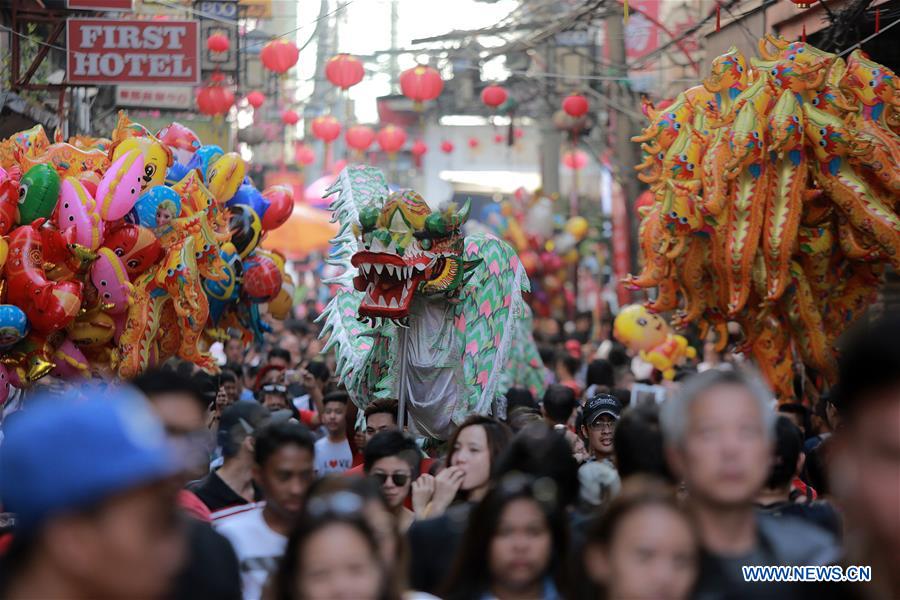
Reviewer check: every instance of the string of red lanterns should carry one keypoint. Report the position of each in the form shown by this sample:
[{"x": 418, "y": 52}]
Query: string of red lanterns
[
  {"x": 391, "y": 138},
  {"x": 256, "y": 99},
  {"x": 360, "y": 137},
  {"x": 218, "y": 42},
  {"x": 494, "y": 95},
  {"x": 304, "y": 155},
  {"x": 575, "y": 105},
  {"x": 215, "y": 98},
  {"x": 289, "y": 117},
  {"x": 421, "y": 84},
  {"x": 447, "y": 147},
  {"x": 279, "y": 55},
  {"x": 326, "y": 128}
]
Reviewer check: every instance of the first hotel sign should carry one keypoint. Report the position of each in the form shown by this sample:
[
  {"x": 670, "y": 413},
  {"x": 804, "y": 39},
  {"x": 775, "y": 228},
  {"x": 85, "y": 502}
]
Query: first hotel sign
[{"x": 111, "y": 51}]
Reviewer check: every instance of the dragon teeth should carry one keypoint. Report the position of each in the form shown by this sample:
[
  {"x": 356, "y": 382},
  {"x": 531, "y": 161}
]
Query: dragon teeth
[
  {"x": 392, "y": 247},
  {"x": 393, "y": 303},
  {"x": 381, "y": 302},
  {"x": 390, "y": 269},
  {"x": 378, "y": 268}
]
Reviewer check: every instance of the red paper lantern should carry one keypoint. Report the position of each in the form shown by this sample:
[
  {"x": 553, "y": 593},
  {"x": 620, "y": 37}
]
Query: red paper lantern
[
  {"x": 575, "y": 105},
  {"x": 304, "y": 155},
  {"x": 419, "y": 148},
  {"x": 326, "y": 128},
  {"x": 498, "y": 138},
  {"x": 494, "y": 95},
  {"x": 575, "y": 159},
  {"x": 215, "y": 98},
  {"x": 289, "y": 117},
  {"x": 344, "y": 71},
  {"x": 446, "y": 146},
  {"x": 256, "y": 99},
  {"x": 421, "y": 83},
  {"x": 360, "y": 137},
  {"x": 473, "y": 142},
  {"x": 218, "y": 42},
  {"x": 391, "y": 138},
  {"x": 518, "y": 133},
  {"x": 279, "y": 55},
  {"x": 802, "y": 4}
]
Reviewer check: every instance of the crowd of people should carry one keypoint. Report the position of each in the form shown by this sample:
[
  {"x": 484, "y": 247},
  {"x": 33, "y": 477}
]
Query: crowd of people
[{"x": 267, "y": 482}]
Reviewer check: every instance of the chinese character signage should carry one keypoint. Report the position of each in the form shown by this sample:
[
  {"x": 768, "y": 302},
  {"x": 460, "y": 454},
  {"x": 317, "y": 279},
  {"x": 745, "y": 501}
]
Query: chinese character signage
[
  {"x": 155, "y": 96},
  {"x": 107, "y": 51}
]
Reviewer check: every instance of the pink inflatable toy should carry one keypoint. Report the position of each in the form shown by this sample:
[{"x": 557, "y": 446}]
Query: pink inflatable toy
[
  {"x": 77, "y": 215},
  {"x": 109, "y": 277},
  {"x": 121, "y": 185}
]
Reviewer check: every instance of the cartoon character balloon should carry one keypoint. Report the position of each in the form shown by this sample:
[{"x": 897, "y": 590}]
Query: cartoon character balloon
[
  {"x": 111, "y": 280},
  {"x": 9, "y": 202},
  {"x": 182, "y": 141},
  {"x": 225, "y": 175},
  {"x": 157, "y": 158},
  {"x": 13, "y": 325},
  {"x": 78, "y": 216},
  {"x": 647, "y": 333},
  {"x": 281, "y": 205},
  {"x": 158, "y": 206},
  {"x": 137, "y": 247}
]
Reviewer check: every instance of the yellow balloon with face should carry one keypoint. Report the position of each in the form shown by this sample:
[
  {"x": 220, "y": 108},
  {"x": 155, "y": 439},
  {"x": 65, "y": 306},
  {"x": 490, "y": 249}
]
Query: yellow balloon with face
[
  {"x": 639, "y": 329},
  {"x": 157, "y": 158},
  {"x": 225, "y": 176}
]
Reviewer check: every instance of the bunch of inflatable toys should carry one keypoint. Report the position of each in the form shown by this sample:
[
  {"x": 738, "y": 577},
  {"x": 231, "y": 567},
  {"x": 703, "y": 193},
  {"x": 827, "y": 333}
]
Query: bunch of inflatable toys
[
  {"x": 776, "y": 183},
  {"x": 120, "y": 253},
  {"x": 547, "y": 244}
]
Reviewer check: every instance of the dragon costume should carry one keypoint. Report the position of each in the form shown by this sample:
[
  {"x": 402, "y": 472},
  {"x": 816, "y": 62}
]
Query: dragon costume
[{"x": 422, "y": 313}]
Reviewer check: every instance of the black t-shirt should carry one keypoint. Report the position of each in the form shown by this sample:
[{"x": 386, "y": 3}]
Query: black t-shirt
[
  {"x": 433, "y": 544},
  {"x": 211, "y": 571},
  {"x": 216, "y": 494}
]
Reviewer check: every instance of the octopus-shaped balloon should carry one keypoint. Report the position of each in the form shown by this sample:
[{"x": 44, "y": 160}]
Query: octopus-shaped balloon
[{"x": 121, "y": 185}]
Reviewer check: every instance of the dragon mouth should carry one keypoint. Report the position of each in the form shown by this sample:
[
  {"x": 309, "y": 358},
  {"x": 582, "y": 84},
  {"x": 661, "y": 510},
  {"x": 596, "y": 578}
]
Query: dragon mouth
[{"x": 388, "y": 282}]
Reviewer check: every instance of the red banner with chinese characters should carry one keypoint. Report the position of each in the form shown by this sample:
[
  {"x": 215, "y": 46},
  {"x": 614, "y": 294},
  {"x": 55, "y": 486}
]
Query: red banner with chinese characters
[
  {"x": 621, "y": 262},
  {"x": 107, "y": 51}
]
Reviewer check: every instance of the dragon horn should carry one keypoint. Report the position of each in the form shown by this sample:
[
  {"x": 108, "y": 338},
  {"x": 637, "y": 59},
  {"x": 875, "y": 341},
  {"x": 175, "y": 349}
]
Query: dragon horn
[
  {"x": 648, "y": 134},
  {"x": 463, "y": 214},
  {"x": 763, "y": 49}
]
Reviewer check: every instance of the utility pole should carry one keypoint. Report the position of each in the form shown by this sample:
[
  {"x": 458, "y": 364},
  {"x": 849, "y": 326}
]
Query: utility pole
[
  {"x": 551, "y": 138},
  {"x": 625, "y": 151},
  {"x": 395, "y": 64}
]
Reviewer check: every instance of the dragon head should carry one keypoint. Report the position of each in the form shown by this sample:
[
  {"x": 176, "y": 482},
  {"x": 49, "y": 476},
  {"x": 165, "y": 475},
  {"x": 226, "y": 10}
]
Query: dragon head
[
  {"x": 785, "y": 123},
  {"x": 667, "y": 123},
  {"x": 407, "y": 249},
  {"x": 870, "y": 82},
  {"x": 728, "y": 71},
  {"x": 827, "y": 133}
]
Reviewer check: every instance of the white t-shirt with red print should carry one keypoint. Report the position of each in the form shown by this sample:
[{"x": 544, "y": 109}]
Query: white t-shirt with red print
[{"x": 332, "y": 457}]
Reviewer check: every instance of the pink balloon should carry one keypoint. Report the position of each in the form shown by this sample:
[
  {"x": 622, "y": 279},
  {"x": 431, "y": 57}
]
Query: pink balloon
[
  {"x": 4, "y": 384},
  {"x": 70, "y": 362},
  {"x": 77, "y": 215},
  {"x": 120, "y": 187},
  {"x": 316, "y": 190}
]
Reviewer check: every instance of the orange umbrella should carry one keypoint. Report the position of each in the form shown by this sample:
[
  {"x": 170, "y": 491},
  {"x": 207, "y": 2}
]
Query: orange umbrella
[{"x": 308, "y": 229}]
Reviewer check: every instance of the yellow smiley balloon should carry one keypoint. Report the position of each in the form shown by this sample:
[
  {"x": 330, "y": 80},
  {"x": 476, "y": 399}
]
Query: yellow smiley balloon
[
  {"x": 225, "y": 176},
  {"x": 157, "y": 158}
]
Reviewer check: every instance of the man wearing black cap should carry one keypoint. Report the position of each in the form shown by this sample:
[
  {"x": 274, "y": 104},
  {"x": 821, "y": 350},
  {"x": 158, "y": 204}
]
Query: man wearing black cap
[{"x": 601, "y": 413}]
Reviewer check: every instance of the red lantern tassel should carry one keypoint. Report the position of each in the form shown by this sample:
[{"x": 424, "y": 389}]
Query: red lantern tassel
[
  {"x": 803, "y": 35},
  {"x": 877, "y": 20},
  {"x": 718, "y": 17}
]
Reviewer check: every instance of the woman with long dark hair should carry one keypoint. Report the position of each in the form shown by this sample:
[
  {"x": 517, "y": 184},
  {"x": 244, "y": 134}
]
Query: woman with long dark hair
[
  {"x": 333, "y": 554},
  {"x": 515, "y": 546},
  {"x": 643, "y": 546},
  {"x": 473, "y": 456}
]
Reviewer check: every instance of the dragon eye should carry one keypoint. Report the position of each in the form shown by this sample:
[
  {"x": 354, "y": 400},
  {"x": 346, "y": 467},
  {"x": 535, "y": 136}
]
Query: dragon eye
[
  {"x": 774, "y": 71},
  {"x": 673, "y": 116},
  {"x": 690, "y": 166},
  {"x": 642, "y": 322},
  {"x": 426, "y": 244},
  {"x": 661, "y": 156},
  {"x": 673, "y": 214},
  {"x": 23, "y": 191},
  {"x": 822, "y": 143},
  {"x": 815, "y": 101},
  {"x": 823, "y": 131},
  {"x": 170, "y": 272},
  {"x": 683, "y": 220},
  {"x": 740, "y": 69},
  {"x": 871, "y": 84},
  {"x": 682, "y": 157},
  {"x": 677, "y": 125},
  {"x": 801, "y": 49}
]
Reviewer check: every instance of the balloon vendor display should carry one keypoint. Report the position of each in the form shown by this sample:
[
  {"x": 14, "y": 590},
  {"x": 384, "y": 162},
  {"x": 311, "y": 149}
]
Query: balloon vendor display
[
  {"x": 424, "y": 314},
  {"x": 775, "y": 188},
  {"x": 120, "y": 253},
  {"x": 548, "y": 246}
]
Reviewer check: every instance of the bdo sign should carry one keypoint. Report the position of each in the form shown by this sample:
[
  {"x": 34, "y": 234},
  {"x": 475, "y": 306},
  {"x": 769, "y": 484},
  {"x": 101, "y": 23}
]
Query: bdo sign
[{"x": 105, "y": 51}]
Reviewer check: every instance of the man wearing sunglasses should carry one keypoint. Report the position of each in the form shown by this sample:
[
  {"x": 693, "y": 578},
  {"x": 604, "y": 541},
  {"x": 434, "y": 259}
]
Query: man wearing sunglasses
[{"x": 391, "y": 458}]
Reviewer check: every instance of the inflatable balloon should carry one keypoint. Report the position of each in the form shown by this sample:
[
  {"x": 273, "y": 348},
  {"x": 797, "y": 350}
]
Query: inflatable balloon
[
  {"x": 70, "y": 362},
  {"x": 121, "y": 185},
  {"x": 157, "y": 158},
  {"x": 281, "y": 205},
  {"x": 262, "y": 279},
  {"x": 4, "y": 385},
  {"x": 158, "y": 206},
  {"x": 91, "y": 329},
  {"x": 225, "y": 175},
  {"x": 38, "y": 194},
  {"x": 109, "y": 277},
  {"x": 136, "y": 246},
  {"x": 204, "y": 157},
  {"x": 13, "y": 325},
  {"x": 245, "y": 229},
  {"x": 648, "y": 334},
  {"x": 77, "y": 215},
  {"x": 182, "y": 142},
  {"x": 248, "y": 195},
  {"x": 9, "y": 202},
  {"x": 49, "y": 306}
]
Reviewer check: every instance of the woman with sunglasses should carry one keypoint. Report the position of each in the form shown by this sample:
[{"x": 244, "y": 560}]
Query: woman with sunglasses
[
  {"x": 391, "y": 458},
  {"x": 515, "y": 546}
]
